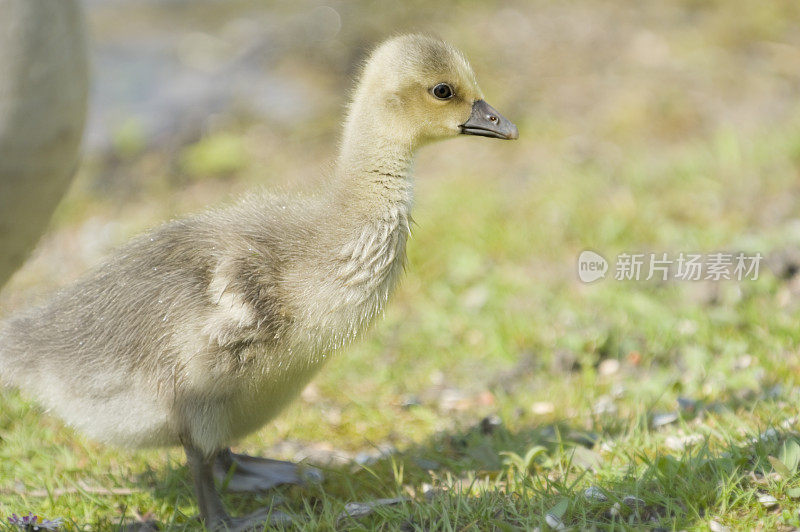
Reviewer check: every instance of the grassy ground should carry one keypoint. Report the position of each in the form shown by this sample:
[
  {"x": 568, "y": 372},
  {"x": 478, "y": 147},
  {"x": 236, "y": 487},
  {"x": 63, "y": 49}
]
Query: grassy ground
[{"x": 498, "y": 388}]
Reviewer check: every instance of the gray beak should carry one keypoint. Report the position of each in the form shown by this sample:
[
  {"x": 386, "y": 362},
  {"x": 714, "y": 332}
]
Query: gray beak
[{"x": 485, "y": 121}]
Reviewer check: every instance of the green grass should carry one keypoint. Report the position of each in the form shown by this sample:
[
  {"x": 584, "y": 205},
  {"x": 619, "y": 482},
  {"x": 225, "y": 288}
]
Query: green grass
[{"x": 678, "y": 131}]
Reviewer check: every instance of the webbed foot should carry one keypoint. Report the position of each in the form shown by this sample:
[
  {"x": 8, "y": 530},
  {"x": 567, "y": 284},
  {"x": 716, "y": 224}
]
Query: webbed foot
[
  {"x": 243, "y": 473},
  {"x": 212, "y": 511}
]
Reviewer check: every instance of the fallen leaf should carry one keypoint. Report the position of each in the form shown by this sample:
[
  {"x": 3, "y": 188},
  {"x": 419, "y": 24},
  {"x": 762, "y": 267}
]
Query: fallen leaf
[
  {"x": 659, "y": 420},
  {"x": 717, "y": 527},
  {"x": 679, "y": 443},
  {"x": 543, "y": 408},
  {"x": 768, "y": 501},
  {"x": 593, "y": 493},
  {"x": 554, "y": 522},
  {"x": 608, "y": 366},
  {"x": 634, "y": 503}
]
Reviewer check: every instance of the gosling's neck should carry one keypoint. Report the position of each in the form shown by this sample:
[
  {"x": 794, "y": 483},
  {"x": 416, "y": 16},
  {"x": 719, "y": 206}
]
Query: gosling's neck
[
  {"x": 364, "y": 228},
  {"x": 374, "y": 167}
]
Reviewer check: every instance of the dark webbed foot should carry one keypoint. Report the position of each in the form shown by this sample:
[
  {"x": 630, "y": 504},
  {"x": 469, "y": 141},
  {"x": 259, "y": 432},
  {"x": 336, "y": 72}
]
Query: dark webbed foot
[
  {"x": 209, "y": 501},
  {"x": 243, "y": 473}
]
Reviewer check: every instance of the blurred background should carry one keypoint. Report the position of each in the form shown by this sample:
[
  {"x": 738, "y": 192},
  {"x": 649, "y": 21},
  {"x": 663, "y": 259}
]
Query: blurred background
[
  {"x": 645, "y": 126},
  {"x": 630, "y": 112}
]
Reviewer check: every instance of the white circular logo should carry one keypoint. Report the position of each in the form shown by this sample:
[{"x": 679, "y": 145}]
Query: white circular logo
[{"x": 591, "y": 266}]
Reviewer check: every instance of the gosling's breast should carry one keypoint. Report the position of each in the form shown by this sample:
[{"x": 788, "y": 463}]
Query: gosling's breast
[{"x": 344, "y": 299}]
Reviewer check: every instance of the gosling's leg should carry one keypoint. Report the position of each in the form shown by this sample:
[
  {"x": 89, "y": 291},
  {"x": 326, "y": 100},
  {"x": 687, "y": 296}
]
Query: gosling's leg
[
  {"x": 252, "y": 473},
  {"x": 212, "y": 510}
]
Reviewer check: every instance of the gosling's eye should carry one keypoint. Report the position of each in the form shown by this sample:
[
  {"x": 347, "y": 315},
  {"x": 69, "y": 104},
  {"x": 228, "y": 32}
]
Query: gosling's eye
[{"x": 443, "y": 91}]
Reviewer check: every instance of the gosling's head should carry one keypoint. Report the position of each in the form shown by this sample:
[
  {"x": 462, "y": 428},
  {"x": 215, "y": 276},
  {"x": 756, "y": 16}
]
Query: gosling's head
[{"x": 416, "y": 89}]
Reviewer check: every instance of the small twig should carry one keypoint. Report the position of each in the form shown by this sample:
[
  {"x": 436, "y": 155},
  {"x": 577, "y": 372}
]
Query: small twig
[
  {"x": 360, "y": 509},
  {"x": 80, "y": 488}
]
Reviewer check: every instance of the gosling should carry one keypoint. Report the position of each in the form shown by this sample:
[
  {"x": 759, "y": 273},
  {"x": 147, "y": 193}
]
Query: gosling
[{"x": 201, "y": 331}]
